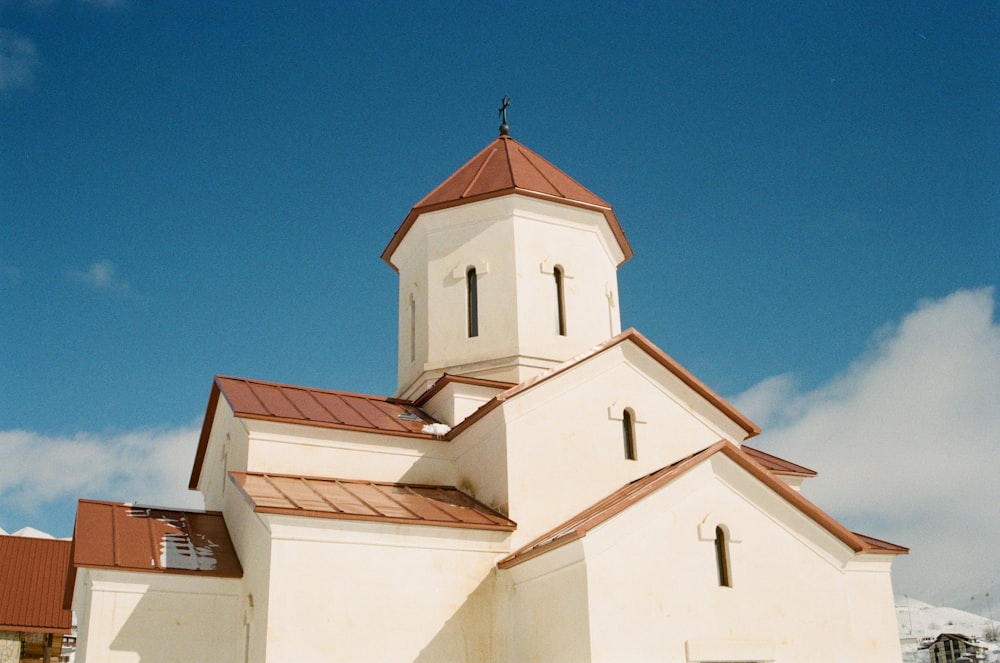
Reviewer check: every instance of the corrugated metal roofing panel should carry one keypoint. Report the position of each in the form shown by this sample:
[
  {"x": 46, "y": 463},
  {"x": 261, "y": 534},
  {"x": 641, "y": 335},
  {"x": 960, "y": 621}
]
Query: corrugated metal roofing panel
[
  {"x": 306, "y": 403},
  {"x": 32, "y": 582},
  {"x": 138, "y": 538},
  {"x": 341, "y": 499},
  {"x": 368, "y": 500}
]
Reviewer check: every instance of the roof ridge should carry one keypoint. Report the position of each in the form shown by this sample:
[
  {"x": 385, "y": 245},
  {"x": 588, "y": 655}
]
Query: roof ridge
[
  {"x": 523, "y": 171},
  {"x": 527, "y": 155},
  {"x": 479, "y": 171},
  {"x": 627, "y": 495},
  {"x": 669, "y": 363}
]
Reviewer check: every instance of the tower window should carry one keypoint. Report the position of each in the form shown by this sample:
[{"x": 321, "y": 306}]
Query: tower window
[
  {"x": 722, "y": 558},
  {"x": 628, "y": 433},
  {"x": 472, "y": 302},
  {"x": 560, "y": 301}
]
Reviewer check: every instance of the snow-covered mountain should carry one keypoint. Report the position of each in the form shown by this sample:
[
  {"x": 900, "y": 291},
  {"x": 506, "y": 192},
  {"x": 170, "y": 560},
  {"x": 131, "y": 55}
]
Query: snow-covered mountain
[{"x": 918, "y": 620}]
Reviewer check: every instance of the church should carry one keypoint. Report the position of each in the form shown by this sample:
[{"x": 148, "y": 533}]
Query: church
[{"x": 543, "y": 486}]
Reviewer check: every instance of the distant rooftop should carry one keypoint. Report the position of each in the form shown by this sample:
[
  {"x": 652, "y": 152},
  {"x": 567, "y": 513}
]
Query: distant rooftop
[
  {"x": 32, "y": 584},
  {"x": 128, "y": 537}
]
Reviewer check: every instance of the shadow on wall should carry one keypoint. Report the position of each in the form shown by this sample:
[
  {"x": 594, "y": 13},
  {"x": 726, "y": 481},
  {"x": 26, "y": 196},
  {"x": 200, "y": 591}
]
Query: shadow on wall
[
  {"x": 468, "y": 635},
  {"x": 168, "y": 626}
]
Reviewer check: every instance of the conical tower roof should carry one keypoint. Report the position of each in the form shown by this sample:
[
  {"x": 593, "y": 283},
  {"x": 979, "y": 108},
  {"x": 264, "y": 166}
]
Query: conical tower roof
[{"x": 503, "y": 167}]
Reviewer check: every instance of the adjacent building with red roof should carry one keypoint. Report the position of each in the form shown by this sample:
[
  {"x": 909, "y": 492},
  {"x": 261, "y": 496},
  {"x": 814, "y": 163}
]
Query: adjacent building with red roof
[
  {"x": 33, "y": 619},
  {"x": 544, "y": 485}
]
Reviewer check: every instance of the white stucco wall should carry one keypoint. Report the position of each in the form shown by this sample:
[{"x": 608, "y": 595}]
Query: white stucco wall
[
  {"x": 513, "y": 242},
  {"x": 548, "y": 604},
  {"x": 565, "y": 446},
  {"x": 359, "y": 591},
  {"x": 798, "y": 594},
  {"x": 129, "y": 617},
  {"x": 346, "y": 454},
  {"x": 252, "y": 542},
  {"x": 228, "y": 445}
]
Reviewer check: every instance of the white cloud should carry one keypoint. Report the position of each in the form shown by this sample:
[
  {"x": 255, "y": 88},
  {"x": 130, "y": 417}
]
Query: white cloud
[
  {"x": 148, "y": 467},
  {"x": 907, "y": 443},
  {"x": 103, "y": 275},
  {"x": 19, "y": 60}
]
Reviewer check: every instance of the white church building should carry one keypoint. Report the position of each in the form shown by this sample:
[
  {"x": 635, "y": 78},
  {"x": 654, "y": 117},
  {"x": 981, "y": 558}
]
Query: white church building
[{"x": 543, "y": 486}]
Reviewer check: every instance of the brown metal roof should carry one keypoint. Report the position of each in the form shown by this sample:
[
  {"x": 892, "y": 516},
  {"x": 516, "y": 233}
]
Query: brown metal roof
[
  {"x": 777, "y": 465},
  {"x": 880, "y": 546},
  {"x": 578, "y": 526},
  {"x": 414, "y": 504},
  {"x": 32, "y": 582},
  {"x": 272, "y": 401},
  {"x": 503, "y": 167},
  {"x": 111, "y": 535},
  {"x": 256, "y": 399}
]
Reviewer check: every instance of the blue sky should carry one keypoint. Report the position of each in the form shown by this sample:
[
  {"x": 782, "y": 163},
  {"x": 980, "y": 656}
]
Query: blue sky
[{"x": 812, "y": 191}]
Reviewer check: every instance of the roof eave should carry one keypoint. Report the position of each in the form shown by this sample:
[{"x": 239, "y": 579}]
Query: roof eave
[
  {"x": 206, "y": 431},
  {"x": 578, "y": 526},
  {"x": 411, "y": 218},
  {"x": 21, "y": 628},
  {"x": 646, "y": 346}
]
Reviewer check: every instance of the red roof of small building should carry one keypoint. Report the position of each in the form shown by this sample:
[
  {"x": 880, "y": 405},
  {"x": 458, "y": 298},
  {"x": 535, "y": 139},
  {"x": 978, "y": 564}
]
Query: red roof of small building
[
  {"x": 111, "y": 535},
  {"x": 504, "y": 167},
  {"x": 413, "y": 504},
  {"x": 579, "y": 525},
  {"x": 32, "y": 583}
]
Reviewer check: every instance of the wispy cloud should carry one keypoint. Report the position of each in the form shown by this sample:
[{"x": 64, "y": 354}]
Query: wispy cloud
[
  {"x": 19, "y": 60},
  {"x": 103, "y": 275},
  {"x": 907, "y": 443},
  {"x": 147, "y": 466}
]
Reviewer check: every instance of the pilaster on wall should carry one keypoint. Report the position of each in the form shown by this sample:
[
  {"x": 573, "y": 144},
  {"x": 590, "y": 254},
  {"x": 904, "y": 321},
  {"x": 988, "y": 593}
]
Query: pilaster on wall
[{"x": 10, "y": 647}]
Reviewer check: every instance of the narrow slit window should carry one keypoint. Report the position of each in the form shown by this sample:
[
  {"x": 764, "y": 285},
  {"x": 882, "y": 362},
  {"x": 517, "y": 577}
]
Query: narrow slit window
[
  {"x": 722, "y": 558},
  {"x": 472, "y": 301},
  {"x": 628, "y": 434},
  {"x": 560, "y": 301}
]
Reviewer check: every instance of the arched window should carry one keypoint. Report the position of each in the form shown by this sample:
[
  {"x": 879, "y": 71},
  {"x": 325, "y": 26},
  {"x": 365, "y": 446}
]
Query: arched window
[
  {"x": 628, "y": 433},
  {"x": 722, "y": 558},
  {"x": 560, "y": 301},
  {"x": 472, "y": 301}
]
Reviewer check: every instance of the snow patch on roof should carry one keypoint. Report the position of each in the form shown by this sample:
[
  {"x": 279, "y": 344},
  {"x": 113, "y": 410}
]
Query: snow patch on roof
[
  {"x": 436, "y": 429},
  {"x": 32, "y": 533}
]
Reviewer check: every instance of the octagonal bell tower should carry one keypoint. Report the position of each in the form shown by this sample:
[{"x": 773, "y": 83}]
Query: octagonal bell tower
[{"x": 506, "y": 269}]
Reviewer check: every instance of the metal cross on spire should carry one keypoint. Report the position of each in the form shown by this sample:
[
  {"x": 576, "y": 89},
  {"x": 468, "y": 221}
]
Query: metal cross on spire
[{"x": 504, "y": 105}]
